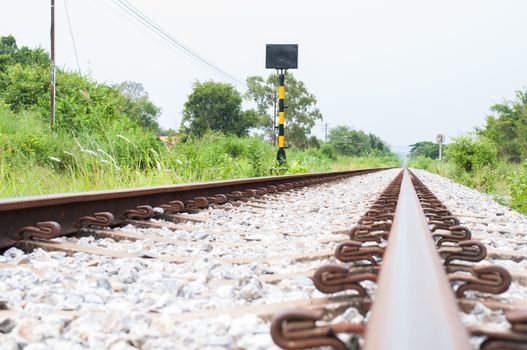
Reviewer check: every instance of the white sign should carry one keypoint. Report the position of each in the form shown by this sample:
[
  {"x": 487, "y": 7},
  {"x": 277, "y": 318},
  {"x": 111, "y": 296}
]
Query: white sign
[{"x": 440, "y": 138}]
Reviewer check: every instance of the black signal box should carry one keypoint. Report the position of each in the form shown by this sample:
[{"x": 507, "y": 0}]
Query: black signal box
[{"x": 281, "y": 56}]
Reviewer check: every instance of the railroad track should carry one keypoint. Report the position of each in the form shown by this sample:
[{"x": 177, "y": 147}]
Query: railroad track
[
  {"x": 214, "y": 267},
  {"x": 428, "y": 256}
]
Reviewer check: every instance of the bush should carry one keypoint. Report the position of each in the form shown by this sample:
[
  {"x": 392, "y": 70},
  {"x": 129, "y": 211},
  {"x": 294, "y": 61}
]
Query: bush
[
  {"x": 474, "y": 162},
  {"x": 517, "y": 182},
  {"x": 329, "y": 151},
  {"x": 423, "y": 162},
  {"x": 471, "y": 153}
]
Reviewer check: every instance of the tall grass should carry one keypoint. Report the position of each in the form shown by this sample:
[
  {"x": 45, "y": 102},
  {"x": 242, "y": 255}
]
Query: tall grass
[
  {"x": 34, "y": 161},
  {"x": 505, "y": 181}
]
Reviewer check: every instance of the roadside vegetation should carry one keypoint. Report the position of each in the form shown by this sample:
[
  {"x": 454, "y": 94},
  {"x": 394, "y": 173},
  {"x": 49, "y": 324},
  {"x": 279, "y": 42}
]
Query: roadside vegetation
[
  {"x": 107, "y": 136},
  {"x": 492, "y": 159}
]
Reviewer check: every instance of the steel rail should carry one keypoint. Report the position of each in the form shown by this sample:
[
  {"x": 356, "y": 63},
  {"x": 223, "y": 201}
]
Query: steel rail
[
  {"x": 66, "y": 209},
  {"x": 414, "y": 306}
]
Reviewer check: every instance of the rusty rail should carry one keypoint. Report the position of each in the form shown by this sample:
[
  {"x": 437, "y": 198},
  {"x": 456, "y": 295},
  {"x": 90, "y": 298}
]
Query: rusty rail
[
  {"x": 414, "y": 304},
  {"x": 54, "y": 215}
]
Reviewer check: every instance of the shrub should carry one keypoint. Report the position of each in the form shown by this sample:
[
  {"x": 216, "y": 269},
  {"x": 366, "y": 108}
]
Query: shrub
[
  {"x": 517, "y": 182},
  {"x": 329, "y": 151},
  {"x": 470, "y": 153}
]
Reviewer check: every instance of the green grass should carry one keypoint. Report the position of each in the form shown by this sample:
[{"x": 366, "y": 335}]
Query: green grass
[
  {"x": 506, "y": 181},
  {"x": 33, "y": 161}
]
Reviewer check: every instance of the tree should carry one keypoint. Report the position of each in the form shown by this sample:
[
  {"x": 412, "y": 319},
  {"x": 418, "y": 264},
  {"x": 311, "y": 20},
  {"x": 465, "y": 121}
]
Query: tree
[
  {"x": 22, "y": 87},
  {"x": 425, "y": 148},
  {"x": 82, "y": 104},
  {"x": 216, "y": 106},
  {"x": 349, "y": 142},
  {"x": 507, "y": 127},
  {"x": 10, "y": 54},
  {"x": 301, "y": 112},
  {"x": 471, "y": 153},
  {"x": 137, "y": 105}
]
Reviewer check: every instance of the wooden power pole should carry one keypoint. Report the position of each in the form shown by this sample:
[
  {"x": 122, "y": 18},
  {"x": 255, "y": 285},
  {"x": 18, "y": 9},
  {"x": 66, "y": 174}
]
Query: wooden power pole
[{"x": 52, "y": 80}]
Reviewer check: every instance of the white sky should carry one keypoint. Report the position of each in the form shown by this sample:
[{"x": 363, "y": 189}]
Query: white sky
[{"x": 404, "y": 70}]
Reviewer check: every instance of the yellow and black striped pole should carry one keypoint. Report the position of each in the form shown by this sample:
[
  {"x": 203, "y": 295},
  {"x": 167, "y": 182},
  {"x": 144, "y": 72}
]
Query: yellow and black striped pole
[{"x": 280, "y": 157}]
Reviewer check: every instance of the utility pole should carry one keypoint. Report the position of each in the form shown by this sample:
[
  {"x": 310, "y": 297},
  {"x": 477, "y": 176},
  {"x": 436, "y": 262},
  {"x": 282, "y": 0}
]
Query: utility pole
[
  {"x": 326, "y": 133},
  {"x": 52, "y": 80}
]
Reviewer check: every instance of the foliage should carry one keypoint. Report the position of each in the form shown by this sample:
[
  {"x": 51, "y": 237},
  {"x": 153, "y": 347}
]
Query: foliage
[
  {"x": 426, "y": 163},
  {"x": 105, "y": 135},
  {"x": 349, "y": 142},
  {"x": 471, "y": 153},
  {"x": 137, "y": 106},
  {"x": 491, "y": 161},
  {"x": 301, "y": 113},
  {"x": 11, "y": 54},
  {"x": 329, "y": 151},
  {"x": 81, "y": 104},
  {"x": 507, "y": 128},
  {"x": 517, "y": 182},
  {"x": 425, "y": 149},
  {"x": 35, "y": 161},
  {"x": 218, "y": 107},
  {"x": 256, "y": 159}
]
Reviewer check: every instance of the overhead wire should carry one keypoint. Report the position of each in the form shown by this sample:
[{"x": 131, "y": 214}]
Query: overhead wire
[
  {"x": 110, "y": 7},
  {"x": 152, "y": 25},
  {"x": 162, "y": 33},
  {"x": 72, "y": 36}
]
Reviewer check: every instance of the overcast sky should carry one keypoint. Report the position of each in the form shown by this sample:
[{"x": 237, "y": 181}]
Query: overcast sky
[{"x": 405, "y": 70}]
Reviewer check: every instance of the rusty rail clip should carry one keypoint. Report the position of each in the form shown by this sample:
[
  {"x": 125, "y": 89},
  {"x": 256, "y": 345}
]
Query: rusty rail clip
[
  {"x": 173, "y": 207},
  {"x": 98, "y": 220},
  {"x": 487, "y": 279},
  {"x": 334, "y": 278},
  {"x": 297, "y": 329},
  {"x": 142, "y": 212},
  {"x": 349, "y": 251},
  {"x": 370, "y": 233},
  {"x": 513, "y": 339},
  {"x": 43, "y": 230},
  {"x": 471, "y": 251},
  {"x": 455, "y": 234},
  {"x": 444, "y": 222}
]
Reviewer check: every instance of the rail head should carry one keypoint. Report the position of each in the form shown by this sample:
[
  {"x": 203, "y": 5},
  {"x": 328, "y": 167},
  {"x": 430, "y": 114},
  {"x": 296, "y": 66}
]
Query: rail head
[{"x": 414, "y": 305}]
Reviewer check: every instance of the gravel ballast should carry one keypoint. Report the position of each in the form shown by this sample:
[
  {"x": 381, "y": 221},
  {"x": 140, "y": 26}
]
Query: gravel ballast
[
  {"x": 49, "y": 300},
  {"x": 55, "y": 301}
]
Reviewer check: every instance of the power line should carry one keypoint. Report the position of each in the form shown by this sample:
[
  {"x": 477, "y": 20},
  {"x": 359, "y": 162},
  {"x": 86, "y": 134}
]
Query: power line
[
  {"x": 118, "y": 12},
  {"x": 177, "y": 43},
  {"x": 71, "y": 34},
  {"x": 159, "y": 31}
]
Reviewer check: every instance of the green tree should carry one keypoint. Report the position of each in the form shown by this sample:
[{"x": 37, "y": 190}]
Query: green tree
[
  {"x": 137, "y": 106},
  {"x": 507, "y": 128},
  {"x": 349, "y": 142},
  {"x": 470, "y": 153},
  {"x": 82, "y": 104},
  {"x": 22, "y": 87},
  {"x": 216, "y": 106},
  {"x": 10, "y": 54},
  {"x": 301, "y": 113},
  {"x": 425, "y": 148}
]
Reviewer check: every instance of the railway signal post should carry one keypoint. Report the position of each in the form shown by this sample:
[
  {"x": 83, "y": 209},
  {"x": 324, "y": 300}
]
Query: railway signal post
[{"x": 281, "y": 57}]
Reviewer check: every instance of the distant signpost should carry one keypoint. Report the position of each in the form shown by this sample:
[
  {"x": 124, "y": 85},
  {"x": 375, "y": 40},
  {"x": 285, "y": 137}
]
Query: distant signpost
[
  {"x": 440, "y": 138},
  {"x": 281, "y": 57}
]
